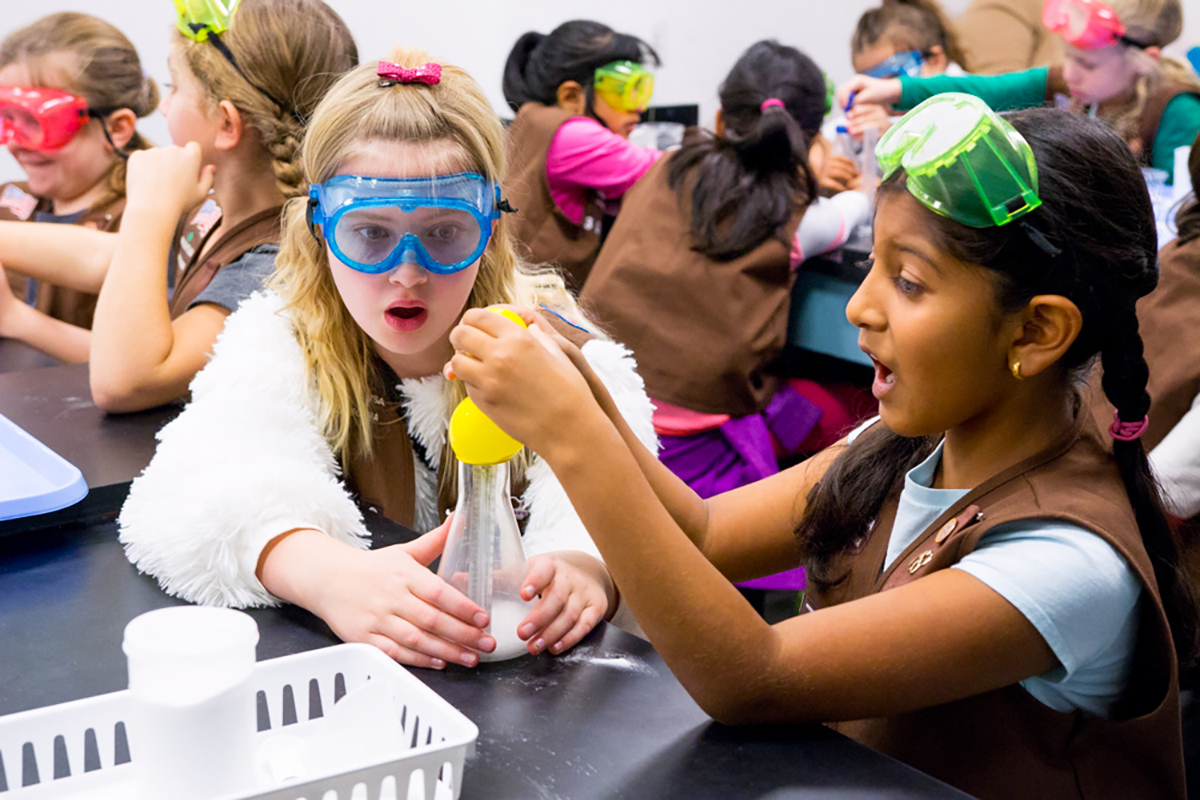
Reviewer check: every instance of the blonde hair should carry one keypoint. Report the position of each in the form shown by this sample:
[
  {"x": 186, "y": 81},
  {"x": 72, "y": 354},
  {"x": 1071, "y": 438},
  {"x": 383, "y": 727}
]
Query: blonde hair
[
  {"x": 1151, "y": 23},
  {"x": 293, "y": 50},
  {"x": 361, "y": 108},
  {"x": 107, "y": 72}
]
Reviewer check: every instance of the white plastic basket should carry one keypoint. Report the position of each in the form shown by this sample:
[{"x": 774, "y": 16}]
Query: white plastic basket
[{"x": 79, "y": 750}]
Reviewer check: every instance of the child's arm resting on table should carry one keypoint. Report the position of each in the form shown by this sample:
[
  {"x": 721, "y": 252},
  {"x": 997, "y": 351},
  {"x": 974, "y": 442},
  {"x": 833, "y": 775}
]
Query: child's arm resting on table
[
  {"x": 22, "y": 321},
  {"x": 65, "y": 255},
  {"x": 942, "y": 638}
]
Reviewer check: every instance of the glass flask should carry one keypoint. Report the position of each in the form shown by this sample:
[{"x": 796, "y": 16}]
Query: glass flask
[{"x": 484, "y": 558}]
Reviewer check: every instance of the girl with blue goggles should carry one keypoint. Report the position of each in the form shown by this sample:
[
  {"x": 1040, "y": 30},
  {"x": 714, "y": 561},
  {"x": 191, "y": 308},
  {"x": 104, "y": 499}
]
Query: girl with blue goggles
[{"x": 373, "y": 225}]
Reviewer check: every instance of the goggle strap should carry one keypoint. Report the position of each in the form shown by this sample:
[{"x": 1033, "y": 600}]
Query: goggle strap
[
  {"x": 224, "y": 50},
  {"x": 308, "y": 217},
  {"x": 1039, "y": 239},
  {"x": 121, "y": 154}
]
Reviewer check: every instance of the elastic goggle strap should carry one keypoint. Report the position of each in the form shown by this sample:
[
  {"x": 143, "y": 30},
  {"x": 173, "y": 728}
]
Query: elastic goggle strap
[
  {"x": 962, "y": 161},
  {"x": 624, "y": 85}
]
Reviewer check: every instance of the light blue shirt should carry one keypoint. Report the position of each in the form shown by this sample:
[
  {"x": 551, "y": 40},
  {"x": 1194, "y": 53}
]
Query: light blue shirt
[{"x": 1073, "y": 587}]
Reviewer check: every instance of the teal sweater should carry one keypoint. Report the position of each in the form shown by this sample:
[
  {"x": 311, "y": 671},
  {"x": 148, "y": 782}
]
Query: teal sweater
[{"x": 1178, "y": 127}]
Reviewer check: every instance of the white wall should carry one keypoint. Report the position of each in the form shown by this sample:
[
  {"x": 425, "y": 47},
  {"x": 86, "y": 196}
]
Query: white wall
[{"x": 698, "y": 39}]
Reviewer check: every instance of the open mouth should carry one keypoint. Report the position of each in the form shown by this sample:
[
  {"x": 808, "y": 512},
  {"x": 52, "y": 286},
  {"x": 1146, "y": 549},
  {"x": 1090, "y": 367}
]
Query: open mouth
[
  {"x": 406, "y": 312},
  {"x": 406, "y": 318}
]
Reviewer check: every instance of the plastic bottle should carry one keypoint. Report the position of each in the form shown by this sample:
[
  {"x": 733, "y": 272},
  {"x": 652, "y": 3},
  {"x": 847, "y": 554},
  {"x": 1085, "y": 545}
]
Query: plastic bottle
[{"x": 483, "y": 557}]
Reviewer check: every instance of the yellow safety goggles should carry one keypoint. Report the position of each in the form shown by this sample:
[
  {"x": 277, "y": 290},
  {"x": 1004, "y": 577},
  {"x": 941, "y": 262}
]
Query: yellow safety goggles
[
  {"x": 196, "y": 19},
  {"x": 624, "y": 85}
]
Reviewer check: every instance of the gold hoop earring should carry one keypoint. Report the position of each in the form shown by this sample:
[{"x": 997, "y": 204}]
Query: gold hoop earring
[{"x": 1016, "y": 371}]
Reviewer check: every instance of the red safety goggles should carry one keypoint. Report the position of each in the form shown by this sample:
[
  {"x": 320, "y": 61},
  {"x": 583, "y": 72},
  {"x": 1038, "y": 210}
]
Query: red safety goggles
[
  {"x": 1086, "y": 24},
  {"x": 37, "y": 118}
]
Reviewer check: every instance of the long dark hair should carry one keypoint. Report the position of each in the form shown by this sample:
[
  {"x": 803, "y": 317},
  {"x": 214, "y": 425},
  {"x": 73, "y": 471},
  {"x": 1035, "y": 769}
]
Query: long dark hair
[
  {"x": 1188, "y": 219},
  {"x": 751, "y": 181},
  {"x": 908, "y": 25},
  {"x": 539, "y": 63},
  {"x": 1097, "y": 211}
]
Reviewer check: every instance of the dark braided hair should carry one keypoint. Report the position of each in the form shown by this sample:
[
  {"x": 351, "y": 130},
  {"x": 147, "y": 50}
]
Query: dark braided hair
[
  {"x": 1097, "y": 213},
  {"x": 750, "y": 182}
]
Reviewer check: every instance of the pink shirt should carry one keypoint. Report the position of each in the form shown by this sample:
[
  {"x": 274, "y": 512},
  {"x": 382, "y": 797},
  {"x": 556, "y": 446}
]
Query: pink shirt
[{"x": 586, "y": 156}]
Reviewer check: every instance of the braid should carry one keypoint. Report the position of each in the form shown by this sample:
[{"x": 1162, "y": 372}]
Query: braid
[
  {"x": 1124, "y": 381},
  {"x": 1125, "y": 370},
  {"x": 284, "y": 148}
]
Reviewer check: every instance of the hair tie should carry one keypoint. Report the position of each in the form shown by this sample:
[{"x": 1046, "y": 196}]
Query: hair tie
[
  {"x": 1127, "y": 431},
  {"x": 771, "y": 102},
  {"x": 429, "y": 74}
]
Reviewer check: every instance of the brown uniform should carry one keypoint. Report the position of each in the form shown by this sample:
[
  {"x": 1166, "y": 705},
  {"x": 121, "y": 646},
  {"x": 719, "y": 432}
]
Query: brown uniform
[
  {"x": 68, "y": 305},
  {"x": 543, "y": 231},
  {"x": 704, "y": 332},
  {"x": 195, "y": 269},
  {"x": 1005, "y": 743}
]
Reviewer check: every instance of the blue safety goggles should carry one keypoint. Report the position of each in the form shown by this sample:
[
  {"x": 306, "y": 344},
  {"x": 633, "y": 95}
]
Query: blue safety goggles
[
  {"x": 373, "y": 225},
  {"x": 908, "y": 63}
]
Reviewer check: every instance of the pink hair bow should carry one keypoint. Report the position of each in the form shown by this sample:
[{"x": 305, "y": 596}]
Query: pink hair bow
[{"x": 430, "y": 74}]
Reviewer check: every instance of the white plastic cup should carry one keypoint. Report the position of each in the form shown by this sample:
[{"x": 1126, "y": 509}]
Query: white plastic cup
[{"x": 193, "y": 715}]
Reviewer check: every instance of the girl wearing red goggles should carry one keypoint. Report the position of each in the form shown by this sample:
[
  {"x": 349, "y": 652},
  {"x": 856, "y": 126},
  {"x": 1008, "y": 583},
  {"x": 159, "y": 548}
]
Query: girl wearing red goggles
[
  {"x": 1114, "y": 70},
  {"x": 71, "y": 91}
]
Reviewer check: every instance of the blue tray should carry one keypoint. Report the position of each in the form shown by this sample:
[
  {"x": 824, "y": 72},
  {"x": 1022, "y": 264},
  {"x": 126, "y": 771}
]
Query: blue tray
[{"x": 33, "y": 478}]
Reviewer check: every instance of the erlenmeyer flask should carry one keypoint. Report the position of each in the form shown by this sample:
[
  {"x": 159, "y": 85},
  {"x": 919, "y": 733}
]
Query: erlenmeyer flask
[{"x": 484, "y": 558}]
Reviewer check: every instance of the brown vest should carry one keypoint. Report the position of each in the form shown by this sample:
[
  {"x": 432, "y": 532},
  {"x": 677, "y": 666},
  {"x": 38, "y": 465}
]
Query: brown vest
[
  {"x": 1005, "y": 743},
  {"x": 545, "y": 234},
  {"x": 704, "y": 332},
  {"x": 68, "y": 305},
  {"x": 386, "y": 480},
  {"x": 196, "y": 268}
]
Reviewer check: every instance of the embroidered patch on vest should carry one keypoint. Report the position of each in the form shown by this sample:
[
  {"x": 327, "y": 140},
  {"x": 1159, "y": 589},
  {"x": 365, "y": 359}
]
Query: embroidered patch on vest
[{"x": 19, "y": 202}]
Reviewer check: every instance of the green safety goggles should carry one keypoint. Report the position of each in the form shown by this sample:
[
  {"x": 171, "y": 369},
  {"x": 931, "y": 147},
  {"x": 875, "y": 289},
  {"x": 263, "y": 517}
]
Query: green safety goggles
[
  {"x": 205, "y": 21},
  {"x": 624, "y": 85},
  {"x": 196, "y": 19},
  {"x": 962, "y": 161}
]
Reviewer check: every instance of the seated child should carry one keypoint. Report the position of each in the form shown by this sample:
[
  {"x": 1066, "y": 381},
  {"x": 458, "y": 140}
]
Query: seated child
[
  {"x": 1115, "y": 70},
  {"x": 325, "y": 393},
  {"x": 578, "y": 93},
  {"x": 994, "y": 592}
]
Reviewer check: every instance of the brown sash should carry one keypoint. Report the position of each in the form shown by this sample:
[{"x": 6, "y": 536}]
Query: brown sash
[{"x": 257, "y": 230}]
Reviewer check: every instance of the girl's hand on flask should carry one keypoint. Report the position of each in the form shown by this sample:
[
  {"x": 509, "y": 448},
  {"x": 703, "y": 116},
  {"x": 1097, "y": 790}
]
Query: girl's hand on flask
[
  {"x": 386, "y": 597},
  {"x": 576, "y": 593},
  {"x": 869, "y": 91},
  {"x": 169, "y": 180},
  {"x": 520, "y": 378}
]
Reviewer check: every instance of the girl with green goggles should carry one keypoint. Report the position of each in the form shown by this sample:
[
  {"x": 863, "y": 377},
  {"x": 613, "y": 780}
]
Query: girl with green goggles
[
  {"x": 982, "y": 560},
  {"x": 578, "y": 93}
]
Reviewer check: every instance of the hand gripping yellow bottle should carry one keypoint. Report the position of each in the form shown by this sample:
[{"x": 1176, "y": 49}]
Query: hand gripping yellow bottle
[{"x": 484, "y": 558}]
